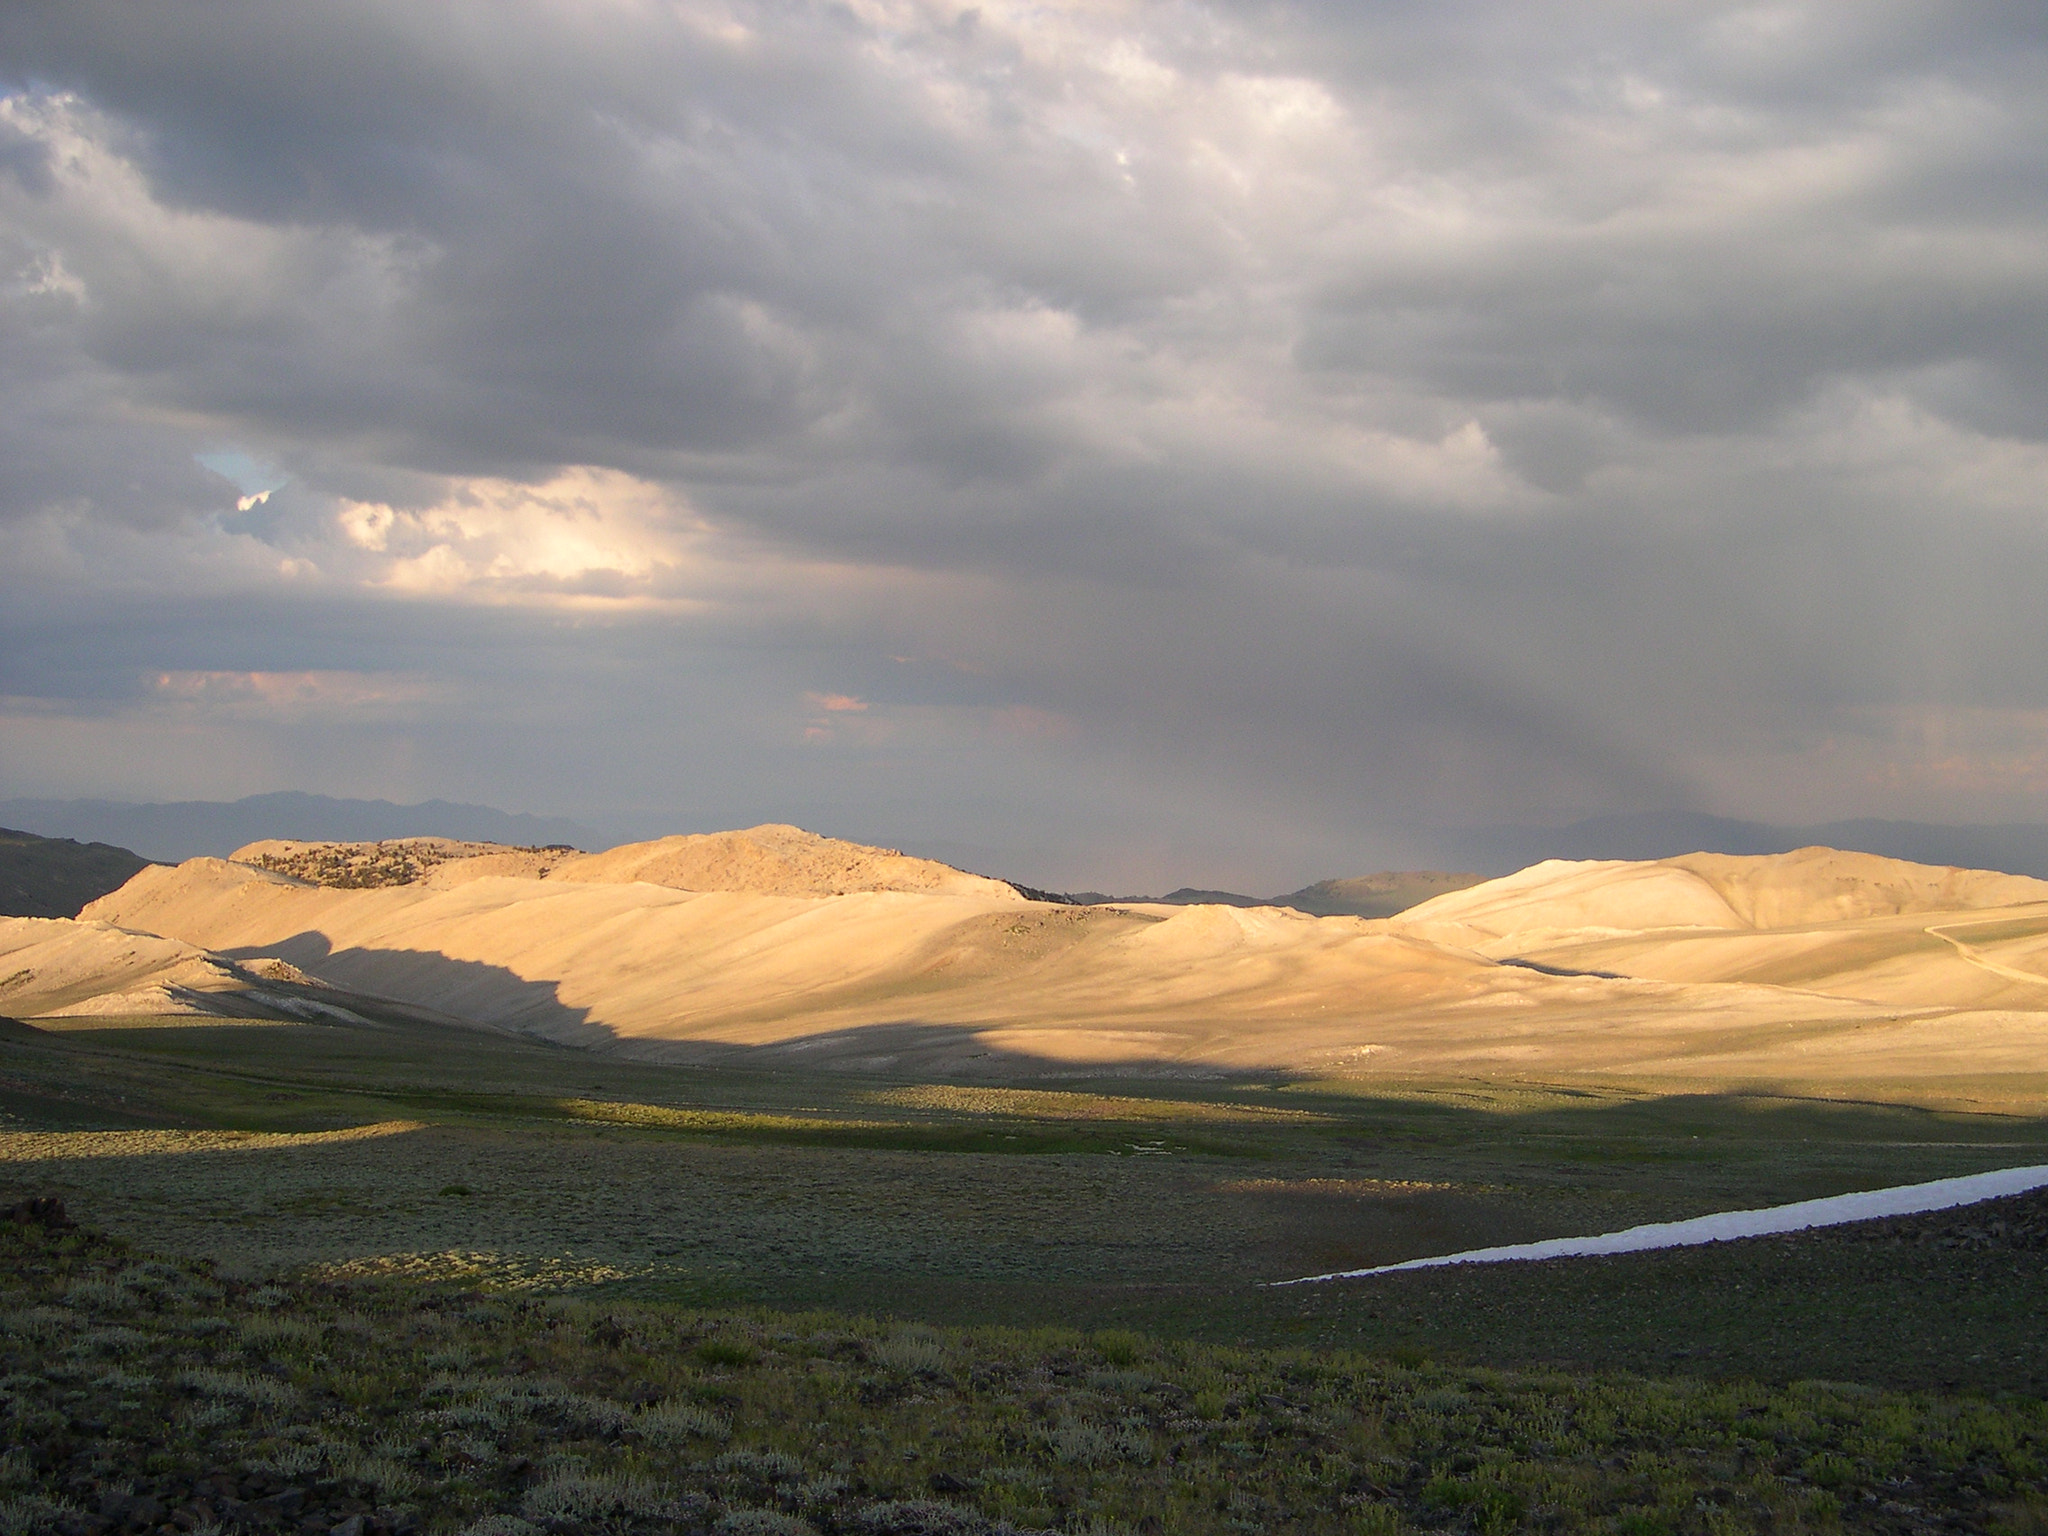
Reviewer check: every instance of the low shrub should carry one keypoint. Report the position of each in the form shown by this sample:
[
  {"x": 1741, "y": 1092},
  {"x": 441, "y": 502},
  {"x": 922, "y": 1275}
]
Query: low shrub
[{"x": 637, "y": 1421}]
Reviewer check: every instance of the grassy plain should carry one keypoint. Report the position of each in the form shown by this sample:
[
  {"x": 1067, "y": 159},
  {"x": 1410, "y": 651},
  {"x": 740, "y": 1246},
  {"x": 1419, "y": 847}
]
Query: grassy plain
[
  {"x": 446, "y": 1280},
  {"x": 1163, "y": 1206}
]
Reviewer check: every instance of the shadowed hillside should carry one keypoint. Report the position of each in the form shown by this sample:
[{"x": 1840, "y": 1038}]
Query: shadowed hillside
[{"x": 54, "y": 876}]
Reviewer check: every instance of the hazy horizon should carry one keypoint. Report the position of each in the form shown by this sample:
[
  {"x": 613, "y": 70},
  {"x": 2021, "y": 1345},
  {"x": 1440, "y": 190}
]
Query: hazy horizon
[
  {"x": 174, "y": 831},
  {"x": 1150, "y": 444}
]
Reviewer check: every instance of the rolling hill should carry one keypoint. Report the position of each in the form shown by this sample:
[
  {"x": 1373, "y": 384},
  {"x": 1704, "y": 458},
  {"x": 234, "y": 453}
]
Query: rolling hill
[{"x": 773, "y": 944}]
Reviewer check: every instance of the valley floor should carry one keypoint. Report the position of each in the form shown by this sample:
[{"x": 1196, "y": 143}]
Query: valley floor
[{"x": 1169, "y": 1207}]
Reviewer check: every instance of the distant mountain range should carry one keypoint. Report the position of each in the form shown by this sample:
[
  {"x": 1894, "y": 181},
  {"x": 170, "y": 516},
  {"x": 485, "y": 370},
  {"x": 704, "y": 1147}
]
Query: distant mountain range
[
  {"x": 1380, "y": 895},
  {"x": 188, "y": 829},
  {"x": 2017, "y": 848}
]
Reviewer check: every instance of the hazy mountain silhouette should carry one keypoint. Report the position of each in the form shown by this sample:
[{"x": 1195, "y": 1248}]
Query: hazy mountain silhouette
[
  {"x": 1380, "y": 895},
  {"x": 190, "y": 828}
]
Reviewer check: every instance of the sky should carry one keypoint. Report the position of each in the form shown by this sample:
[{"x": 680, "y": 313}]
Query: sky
[{"x": 1108, "y": 444}]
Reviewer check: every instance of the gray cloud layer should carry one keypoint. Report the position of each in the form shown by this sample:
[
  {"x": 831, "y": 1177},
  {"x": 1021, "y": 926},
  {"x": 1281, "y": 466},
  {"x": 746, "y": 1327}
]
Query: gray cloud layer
[{"x": 1204, "y": 441}]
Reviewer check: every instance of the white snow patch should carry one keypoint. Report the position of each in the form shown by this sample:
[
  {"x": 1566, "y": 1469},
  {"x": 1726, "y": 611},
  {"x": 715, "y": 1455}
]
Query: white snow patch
[{"x": 1866, "y": 1205}]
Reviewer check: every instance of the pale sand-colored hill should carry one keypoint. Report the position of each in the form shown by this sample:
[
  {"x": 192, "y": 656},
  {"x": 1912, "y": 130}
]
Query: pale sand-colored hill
[
  {"x": 1866, "y": 988},
  {"x": 1821, "y": 885},
  {"x": 1709, "y": 890},
  {"x": 61, "y": 968},
  {"x": 780, "y": 861},
  {"x": 48, "y": 965},
  {"x": 590, "y": 962},
  {"x": 771, "y": 860},
  {"x": 1560, "y": 896},
  {"x": 1852, "y": 925}
]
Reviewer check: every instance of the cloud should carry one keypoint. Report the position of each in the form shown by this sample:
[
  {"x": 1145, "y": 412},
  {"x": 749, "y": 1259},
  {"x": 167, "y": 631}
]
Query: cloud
[
  {"x": 273, "y": 695},
  {"x": 1270, "y": 430},
  {"x": 584, "y": 535}
]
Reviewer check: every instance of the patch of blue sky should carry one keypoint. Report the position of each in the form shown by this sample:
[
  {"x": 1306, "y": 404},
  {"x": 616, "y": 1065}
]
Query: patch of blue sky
[{"x": 252, "y": 476}]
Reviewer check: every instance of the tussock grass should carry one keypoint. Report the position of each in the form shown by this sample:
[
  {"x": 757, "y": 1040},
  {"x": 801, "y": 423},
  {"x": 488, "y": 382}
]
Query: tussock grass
[
  {"x": 96, "y": 1294},
  {"x": 914, "y": 1350},
  {"x": 36, "y": 1325},
  {"x": 679, "y": 1423},
  {"x": 236, "y": 1386},
  {"x": 762, "y": 1522},
  {"x": 32, "y": 1515},
  {"x": 262, "y": 1331},
  {"x": 289, "y": 1460},
  {"x": 581, "y": 1496},
  {"x": 108, "y": 1341},
  {"x": 501, "y": 1525},
  {"x": 380, "y": 1468}
]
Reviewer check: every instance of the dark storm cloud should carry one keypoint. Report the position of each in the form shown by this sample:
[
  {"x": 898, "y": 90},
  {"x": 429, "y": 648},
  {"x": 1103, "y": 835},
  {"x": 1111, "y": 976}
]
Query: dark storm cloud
[
  {"x": 1270, "y": 418},
  {"x": 1725, "y": 207},
  {"x": 573, "y": 220}
]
